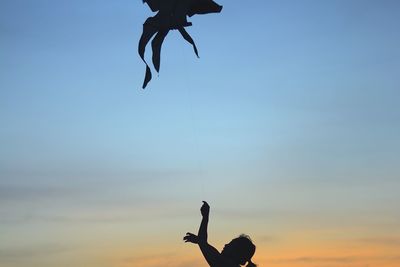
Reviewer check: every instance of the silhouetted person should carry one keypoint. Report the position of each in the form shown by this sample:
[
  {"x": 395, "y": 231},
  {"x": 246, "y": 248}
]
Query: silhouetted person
[{"x": 237, "y": 252}]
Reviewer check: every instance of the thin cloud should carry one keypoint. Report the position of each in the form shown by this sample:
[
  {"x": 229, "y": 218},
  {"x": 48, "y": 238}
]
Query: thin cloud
[
  {"x": 164, "y": 259},
  {"x": 129, "y": 187},
  {"x": 26, "y": 253},
  {"x": 267, "y": 239},
  {"x": 337, "y": 260},
  {"x": 12, "y": 193},
  {"x": 318, "y": 260},
  {"x": 130, "y": 210},
  {"x": 385, "y": 241}
]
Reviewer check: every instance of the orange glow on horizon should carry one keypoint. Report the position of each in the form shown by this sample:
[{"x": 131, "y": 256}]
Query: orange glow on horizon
[{"x": 301, "y": 253}]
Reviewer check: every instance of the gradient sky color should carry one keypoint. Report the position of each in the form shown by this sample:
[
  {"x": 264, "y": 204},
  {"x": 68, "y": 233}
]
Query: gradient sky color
[{"x": 288, "y": 125}]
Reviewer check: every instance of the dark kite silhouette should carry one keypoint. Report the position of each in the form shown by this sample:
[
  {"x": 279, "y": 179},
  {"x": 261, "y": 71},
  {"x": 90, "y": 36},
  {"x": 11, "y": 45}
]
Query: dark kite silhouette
[{"x": 171, "y": 15}]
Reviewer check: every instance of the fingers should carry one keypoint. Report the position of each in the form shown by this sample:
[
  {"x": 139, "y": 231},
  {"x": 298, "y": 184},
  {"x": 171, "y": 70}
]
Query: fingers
[
  {"x": 205, "y": 205},
  {"x": 205, "y": 209},
  {"x": 189, "y": 237}
]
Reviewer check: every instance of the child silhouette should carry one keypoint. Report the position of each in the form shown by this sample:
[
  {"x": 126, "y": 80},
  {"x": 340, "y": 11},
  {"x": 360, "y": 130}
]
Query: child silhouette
[{"x": 234, "y": 254}]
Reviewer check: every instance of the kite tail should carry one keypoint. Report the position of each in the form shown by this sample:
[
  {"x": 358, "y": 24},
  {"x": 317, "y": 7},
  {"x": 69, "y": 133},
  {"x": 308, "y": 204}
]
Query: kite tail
[
  {"x": 156, "y": 46},
  {"x": 148, "y": 33},
  {"x": 189, "y": 39}
]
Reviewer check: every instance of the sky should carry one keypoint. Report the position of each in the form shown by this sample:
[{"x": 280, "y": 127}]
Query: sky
[{"x": 288, "y": 125}]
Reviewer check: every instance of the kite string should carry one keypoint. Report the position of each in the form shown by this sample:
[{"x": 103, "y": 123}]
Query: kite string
[{"x": 194, "y": 125}]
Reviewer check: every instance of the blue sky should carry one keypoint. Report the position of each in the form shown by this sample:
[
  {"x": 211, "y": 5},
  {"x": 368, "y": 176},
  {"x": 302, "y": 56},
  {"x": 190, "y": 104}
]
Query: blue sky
[{"x": 292, "y": 103}]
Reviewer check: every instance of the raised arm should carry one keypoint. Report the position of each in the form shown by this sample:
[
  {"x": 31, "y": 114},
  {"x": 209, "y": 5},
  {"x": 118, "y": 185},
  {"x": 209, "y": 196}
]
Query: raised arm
[
  {"x": 205, "y": 214},
  {"x": 211, "y": 254}
]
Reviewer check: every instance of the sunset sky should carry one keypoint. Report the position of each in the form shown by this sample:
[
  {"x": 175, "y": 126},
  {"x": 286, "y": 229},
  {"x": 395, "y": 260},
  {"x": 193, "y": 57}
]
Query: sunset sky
[{"x": 288, "y": 125}]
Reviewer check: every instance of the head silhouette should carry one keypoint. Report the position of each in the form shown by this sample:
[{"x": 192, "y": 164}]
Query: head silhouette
[{"x": 240, "y": 250}]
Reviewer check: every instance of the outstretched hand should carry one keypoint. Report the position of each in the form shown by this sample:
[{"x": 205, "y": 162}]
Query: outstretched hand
[
  {"x": 205, "y": 209},
  {"x": 192, "y": 238}
]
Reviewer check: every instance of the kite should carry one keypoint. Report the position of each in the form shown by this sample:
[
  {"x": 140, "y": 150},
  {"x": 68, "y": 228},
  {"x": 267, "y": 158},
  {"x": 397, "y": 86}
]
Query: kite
[{"x": 171, "y": 15}]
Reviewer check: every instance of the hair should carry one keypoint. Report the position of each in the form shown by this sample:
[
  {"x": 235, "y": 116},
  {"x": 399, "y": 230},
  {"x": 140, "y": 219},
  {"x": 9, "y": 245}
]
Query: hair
[
  {"x": 245, "y": 250},
  {"x": 250, "y": 264}
]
